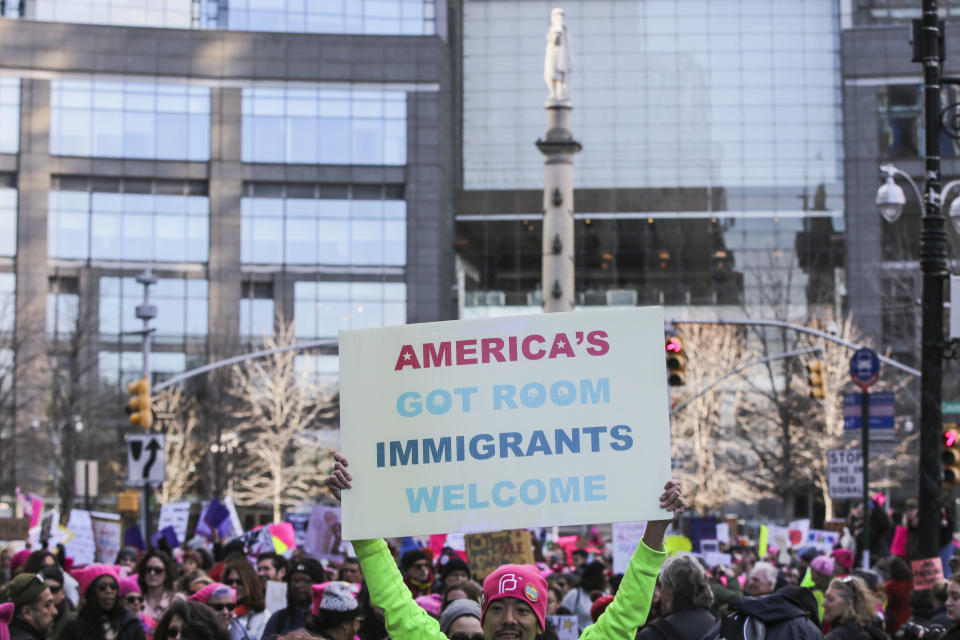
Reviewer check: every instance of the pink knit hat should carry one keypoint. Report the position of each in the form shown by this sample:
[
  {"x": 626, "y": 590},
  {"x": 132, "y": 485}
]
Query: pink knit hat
[
  {"x": 19, "y": 559},
  {"x": 822, "y": 564},
  {"x": 129, "y": 585},
  {"x": 214, "y": 588},
  {"x": 520, "y": 581},
  {"x": 88, "y": 575},
  {"x": 6, "y": 615},
  {"x": 432, "y": 604},
  {"x": 844, "y": 557}
]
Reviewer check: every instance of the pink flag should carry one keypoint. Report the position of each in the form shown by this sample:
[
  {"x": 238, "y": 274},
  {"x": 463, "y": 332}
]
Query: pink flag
[{"x": 899, "y": 545}]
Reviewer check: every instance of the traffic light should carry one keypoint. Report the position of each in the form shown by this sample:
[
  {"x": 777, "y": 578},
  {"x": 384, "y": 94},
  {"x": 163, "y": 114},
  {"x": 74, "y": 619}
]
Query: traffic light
[
  {"x": 141, "y": 413},
  {"x": 950, "y": 456},
  {"x": 815, "y": 378},
  {"x": 676, "y": 362}
]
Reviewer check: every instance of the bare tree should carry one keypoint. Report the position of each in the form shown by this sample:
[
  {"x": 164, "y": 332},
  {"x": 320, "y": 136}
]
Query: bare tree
[
  {"x": 277, "y": 416},
  {"x": 177, "y": 418}
]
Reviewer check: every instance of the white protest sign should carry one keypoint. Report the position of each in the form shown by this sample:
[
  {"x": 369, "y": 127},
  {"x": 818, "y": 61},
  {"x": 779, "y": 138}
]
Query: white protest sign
[
  {"x": 504, "y": 423},
  {"x": 845, "y": 473},
  {"x": 799, "y": 530},
  {"x": 626, "y": 535},
  {"x": 323, "y": 538},
  {"x": 276, "y": 596},
  {"x": 107, "y": 535},
  {"x": 723, "y": 532},
  {"x": 716, "y": 559},
  {"x": 823, "y": 540},
  {"x": 176, "y": 515},
  {"x": 567, "y": 627},
  {"x": 82, "y": 547}
]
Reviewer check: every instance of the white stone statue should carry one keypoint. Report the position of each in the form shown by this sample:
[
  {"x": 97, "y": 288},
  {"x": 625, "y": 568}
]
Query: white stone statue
[{"x": 558, "y": 60}]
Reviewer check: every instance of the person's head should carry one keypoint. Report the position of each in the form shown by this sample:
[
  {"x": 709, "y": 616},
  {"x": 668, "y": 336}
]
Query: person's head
[
  {"x": 938, "y": 592},
  {"x": 32, "y": 601},
  {"x": 131, "y": 598},
  {"x": 684, "y": 585},
  {"x": 185, "y": 620},
  {"x": 762, "y": 579},
  {"x": 514, "y": 601},
  {"x": 454, "y": 571},
  {"x": 467, "y": 590},
  {"x": 848, "y": 600},
  {"x": 899, "y": 570},
  {"x": 554, "y": 598},
  {"x": 579, "y": 557},
  {"x": 39, "y": 559},
  {"x": 302, "y": 576},
  {"x": 53, "y": 576},
  {"x": 155, "y": 572},
  {"x": 461, "y": 620},
  {"x": 821, "y": 570},
  {"x": 594, "y": 577},
  {"x": 350, "y": 571},
  {"x": 191, "y": 561},
  {"x": 270, "y": 566},
  {"x": 953, "y": 598},
  {"x": 221, "y": 598},
  {"x": 335, "y": 612},
  {"x": 99, "y": 591},
  {"x": 415, "y": 565},
  {"x": 128, "y": 557},
  {"x": 561, "y": 581},
  {"x": 240, "y": 576},
  {"x": 803, "y": 598}
]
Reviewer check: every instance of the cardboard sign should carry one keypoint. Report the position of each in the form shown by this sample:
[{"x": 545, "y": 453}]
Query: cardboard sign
[
  {"x": 487, "y": 551},
  {"x": 723, "y": 532},
  {"x": 176, "y": 515},
  {"x": 504, "y": 423},
  {"x": 566, "y": 627},
  {"x": 82, "y": 547},
  {"x": 14, "y": 528},
  {"x": 107, "y": 536},
  {"x": 845, "y": 473},
  {"x": 626, "y": 536},
  {"x": 324, "y": 539},
  {"x": 823, "y": 540},
  {"x": 926, "y": 572}
]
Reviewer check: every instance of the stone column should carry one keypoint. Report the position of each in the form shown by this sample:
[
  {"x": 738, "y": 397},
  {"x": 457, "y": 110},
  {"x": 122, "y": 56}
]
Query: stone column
[{"x": 559, "y": 147}]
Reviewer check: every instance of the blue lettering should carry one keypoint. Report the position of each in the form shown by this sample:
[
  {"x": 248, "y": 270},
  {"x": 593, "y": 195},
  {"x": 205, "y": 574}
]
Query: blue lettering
[
  {"x": 460, "y": 455},
  {"x": 590, "y": 394},
  {"x": 594, "y": 433},
  {"x": 594, "y": 488},
  {"x": 439, "y": 402},
  {"x": 525, "y": 492},
  {"x": 436, "y": 450},
  {"x": 533, "y": 395},
  {"x": 572, "y": 442},
  {"x": 624, "y": 441},
  {"x": 498, "y": 498},
  {"x": 538, "y": 443},
  {"x": 465, "y": 393},
  {"x": 563, "y": 392},
  {"x": 484, "y": 452},
  {"x": 409, "y": 405},
  {"x": 406, "y": 456},
  {"x": 423, "y": 499},
  {"x": 475, "y": 502},
  {"x": 381, "y": 455},
  {"x": 503, "y": 394},
  {"x": 559, "y": 493},
  {"x": 510, "y": 440},
  {"x": 453, "y": 497}
]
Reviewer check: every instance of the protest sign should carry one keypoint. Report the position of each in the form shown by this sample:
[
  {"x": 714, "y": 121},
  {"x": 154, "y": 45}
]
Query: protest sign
[
  {"x": 82, "y": 547},
  {"x": 504, "y": 423},
  {"x": 715, "y": 559},
  {"x": 823, "y": 540},
  {"x": 926, "y": 572},
  {"x": 176, "y": 515},
  {"x": 276, "y": 596},
  {"x": 299, "y": 520},
  {"x": 14, "y": 528},
  {"x": 487, "y": 551},
  {"x": 626, "y": 535},
  {"x": 566, "y": 626},
  {"x": 709, "y": 546},
  {"x": 107, "y": 535},
  {"x": 323, "y": 538},
  {"x": 723, "y": 532}
]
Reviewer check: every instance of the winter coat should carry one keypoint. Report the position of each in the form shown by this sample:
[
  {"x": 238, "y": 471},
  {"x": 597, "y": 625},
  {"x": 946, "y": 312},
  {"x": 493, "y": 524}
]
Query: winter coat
[
  {"x": 852, "y": 631},
  {"x": 20, "y": 630},
  {"x": 897, "y": 610},
  {"x": 782, "y": 619},
  {"x": 685, "y": 623},
  {"x": 81, "y": 628}
]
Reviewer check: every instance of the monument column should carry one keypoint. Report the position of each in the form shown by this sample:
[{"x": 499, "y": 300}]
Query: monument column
[{"x": 558, "y": 147}]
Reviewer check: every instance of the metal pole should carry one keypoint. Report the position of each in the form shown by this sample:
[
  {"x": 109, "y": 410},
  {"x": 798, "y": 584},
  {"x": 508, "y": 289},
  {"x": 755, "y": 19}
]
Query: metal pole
[
  {"x": 933, "y": 266},
  {"x": 865, "y": 449},
  {"x": 146, "y": 312}
]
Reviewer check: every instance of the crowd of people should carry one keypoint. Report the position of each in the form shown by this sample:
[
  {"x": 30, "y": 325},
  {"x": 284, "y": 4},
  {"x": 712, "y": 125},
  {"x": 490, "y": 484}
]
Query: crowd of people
[{"x": 219, "y": 593}]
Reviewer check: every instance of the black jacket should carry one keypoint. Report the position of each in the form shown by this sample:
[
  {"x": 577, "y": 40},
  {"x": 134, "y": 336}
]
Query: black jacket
[
  {"x": 782, "y": 619},
  {"x": 80, "y": 628},
  {"x": 686, "y": 623},
  {"x": 851, "y": 631},
  {"x": 20, "y": 630}
]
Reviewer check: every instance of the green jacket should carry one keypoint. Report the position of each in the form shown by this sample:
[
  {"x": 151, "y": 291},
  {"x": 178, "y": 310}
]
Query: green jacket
[{"x": 406, "y": 620}]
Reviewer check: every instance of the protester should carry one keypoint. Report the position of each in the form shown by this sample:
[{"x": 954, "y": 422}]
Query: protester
[
  {"x": 761, "y": 580},
  {"x": 127, "y": 559},
  {"x": 155, "y": 576},
  {"x": 897, "y": 588},
  {"x": 39, "y": 559},
  {"x": 821, "y": 573},
  {"x": 6, "y": 617},
  {"x": 335, "y": 612},
  {"x": 461, "y": 621},
  {"x": 101, "y": 615},
  {"x": 593, "y": 584},
  {"x": 685, "y": 599},
  {"x": 270, "y": 566},
  {"x": 193, "y": 582},
  {"x": 53, "y": 576},
  {"x": 469, "y": 590},
  {"x": 350, "y": 571},
  {"x": 850, "y": 609},
  {"x": 415, "y": 567},
  {"x": 132, "y": 599},
  {"x": 34, "y": 611},
  {"x": 185, "y": 620},
  {"x": 251, "y": 613},
  {"x": 789, "y": 613},
  {"x": 302, "y": 576},
  {"x": 938, "y": 601},
  {"x": 514, "y": 595},
  {"x": 453, "y": 570},
  {"x": 953, "y": 608}
]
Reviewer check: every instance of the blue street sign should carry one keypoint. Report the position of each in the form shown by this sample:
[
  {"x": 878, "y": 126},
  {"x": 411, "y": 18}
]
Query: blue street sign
[
  {"x": 881, "y": 410},
  {"x": 864, "y": 367}
]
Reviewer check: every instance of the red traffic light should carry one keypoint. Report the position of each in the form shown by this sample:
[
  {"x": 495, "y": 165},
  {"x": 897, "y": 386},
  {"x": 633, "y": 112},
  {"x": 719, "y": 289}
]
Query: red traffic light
[
  {"x": 949, "y": 438},
  {"x": 674, "y": 345}
]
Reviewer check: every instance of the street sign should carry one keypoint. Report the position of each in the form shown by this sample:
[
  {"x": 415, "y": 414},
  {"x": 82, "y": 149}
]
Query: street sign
[
  {"x": 845, "y": 474},
  {"x": 864, "y": 368},
  {"x": 951, "y": 407},
  {"x": 881, "y": 415},
  {"x": 146, "y": 463},
  {"x": 85, "y": 480}
]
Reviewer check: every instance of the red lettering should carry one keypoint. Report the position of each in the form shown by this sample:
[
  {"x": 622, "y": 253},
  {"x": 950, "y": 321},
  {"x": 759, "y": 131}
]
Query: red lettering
[
  {"x": 600, "y": 345},
  {"x": 432, "y": 356},
  {"x": 525, "y": 347},
  {"x": 465, "y": 349},
  {"x": 561, "y": 346},
  {"x": 491, "y": 348},
  {"x": 512, "y": 340},
  {"x": 407, "y": 358}
]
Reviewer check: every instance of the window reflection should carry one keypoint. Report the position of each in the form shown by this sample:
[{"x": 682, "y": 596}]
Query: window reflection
[
  {"x": 900, "y": 122},
  {"x": 322, "y": 309},
  {"x": 9, "y": 115},
  {"x": 8, "y": 220},
  {"x": 324, "y": 126},
  {"x": 183, "y": 302},
  {"x": 120, "y": 368},
  {"x": 8, "y": 286}
]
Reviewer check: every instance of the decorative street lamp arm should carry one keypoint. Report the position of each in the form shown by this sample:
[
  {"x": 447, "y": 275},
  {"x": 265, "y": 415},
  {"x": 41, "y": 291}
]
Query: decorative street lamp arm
[{"x": 889, "y": 169}]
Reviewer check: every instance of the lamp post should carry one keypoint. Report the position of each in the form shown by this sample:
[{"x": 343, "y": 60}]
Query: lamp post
[{"x": 933, "y": 266}]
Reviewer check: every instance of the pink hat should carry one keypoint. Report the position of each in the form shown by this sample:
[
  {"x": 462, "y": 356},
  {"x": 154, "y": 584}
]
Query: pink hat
[
  {"x": 215, "y": 588},
  {"x": 6, "y": 615},
  {"x": 432, "y": 604},
  {"x": 844, "y": 557},
  {"x": 19, "y": 559},
  {"x": 129, "y": 585},
  {"x": 520, "y": 581},
  {"x": 88, "y": 575},
  {"x": 822, "y": 564}
]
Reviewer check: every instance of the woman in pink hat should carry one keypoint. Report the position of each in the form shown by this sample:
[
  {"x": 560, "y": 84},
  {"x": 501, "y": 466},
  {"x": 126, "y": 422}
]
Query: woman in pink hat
[
  {"x": 223, "y": 601},
  {"x": 101, "y": 615},
  {"x": 132, "y": 599}
]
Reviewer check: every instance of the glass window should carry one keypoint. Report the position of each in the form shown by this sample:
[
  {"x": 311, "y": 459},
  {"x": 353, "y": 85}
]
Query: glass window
[
  {"x": 8, "y": 220},
  {"x": 318, "y": 369},
  {"x": 8, "y": 287},
  {"x": 322, "y": 309},
  {"x": 324, "y": 126},
  {"x": 127, "y": 226},
  {"x": 900, "y": 123},
  {"x": 130, "y": 119},
  {"x": 181, "y": 308},
  {"x": 62, "y": 310},
  {"x": 256, "y": 317},
  {"x": 118, "y": 369},
  {"x": 386, "y": 17},
  {"x": 9, "y": 114}
]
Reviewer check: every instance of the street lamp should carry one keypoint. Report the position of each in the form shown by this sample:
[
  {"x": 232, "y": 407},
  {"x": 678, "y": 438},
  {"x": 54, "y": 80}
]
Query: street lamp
[{"x": 891, "y": 199}]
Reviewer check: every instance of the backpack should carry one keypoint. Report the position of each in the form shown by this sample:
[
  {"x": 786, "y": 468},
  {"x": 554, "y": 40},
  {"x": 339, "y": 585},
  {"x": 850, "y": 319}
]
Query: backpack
[{"x": 740, "y": 626}]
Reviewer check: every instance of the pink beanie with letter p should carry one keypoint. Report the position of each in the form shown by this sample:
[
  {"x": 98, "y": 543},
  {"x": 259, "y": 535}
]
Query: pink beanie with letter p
[{"x": 520, "y": 581}]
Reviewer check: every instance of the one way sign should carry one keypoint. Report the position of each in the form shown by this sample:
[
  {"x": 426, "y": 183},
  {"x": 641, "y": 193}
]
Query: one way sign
[{"x": 146, "y": 463}]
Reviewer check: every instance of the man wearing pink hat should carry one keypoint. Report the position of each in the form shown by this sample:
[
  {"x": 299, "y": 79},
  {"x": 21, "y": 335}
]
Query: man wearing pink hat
[{"x": 514, "y": 596}]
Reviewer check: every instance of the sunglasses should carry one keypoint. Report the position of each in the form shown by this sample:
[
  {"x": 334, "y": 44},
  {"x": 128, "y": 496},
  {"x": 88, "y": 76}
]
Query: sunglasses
[
  {"x": 174, "y": 632},
  {"x": 106, "y": 585},
  {"x": 156, "y": 570},
  {"x": 229, "y": 606},
  {"x": 236, "y": 582},
  {"x": 134, "y": 599},
  {"x": 463, "y": 636}
]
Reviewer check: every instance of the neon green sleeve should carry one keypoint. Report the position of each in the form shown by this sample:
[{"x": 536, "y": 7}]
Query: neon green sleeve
[
  {"x": 630, "y": 607},
  {"x": 405, "y": 619}
]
